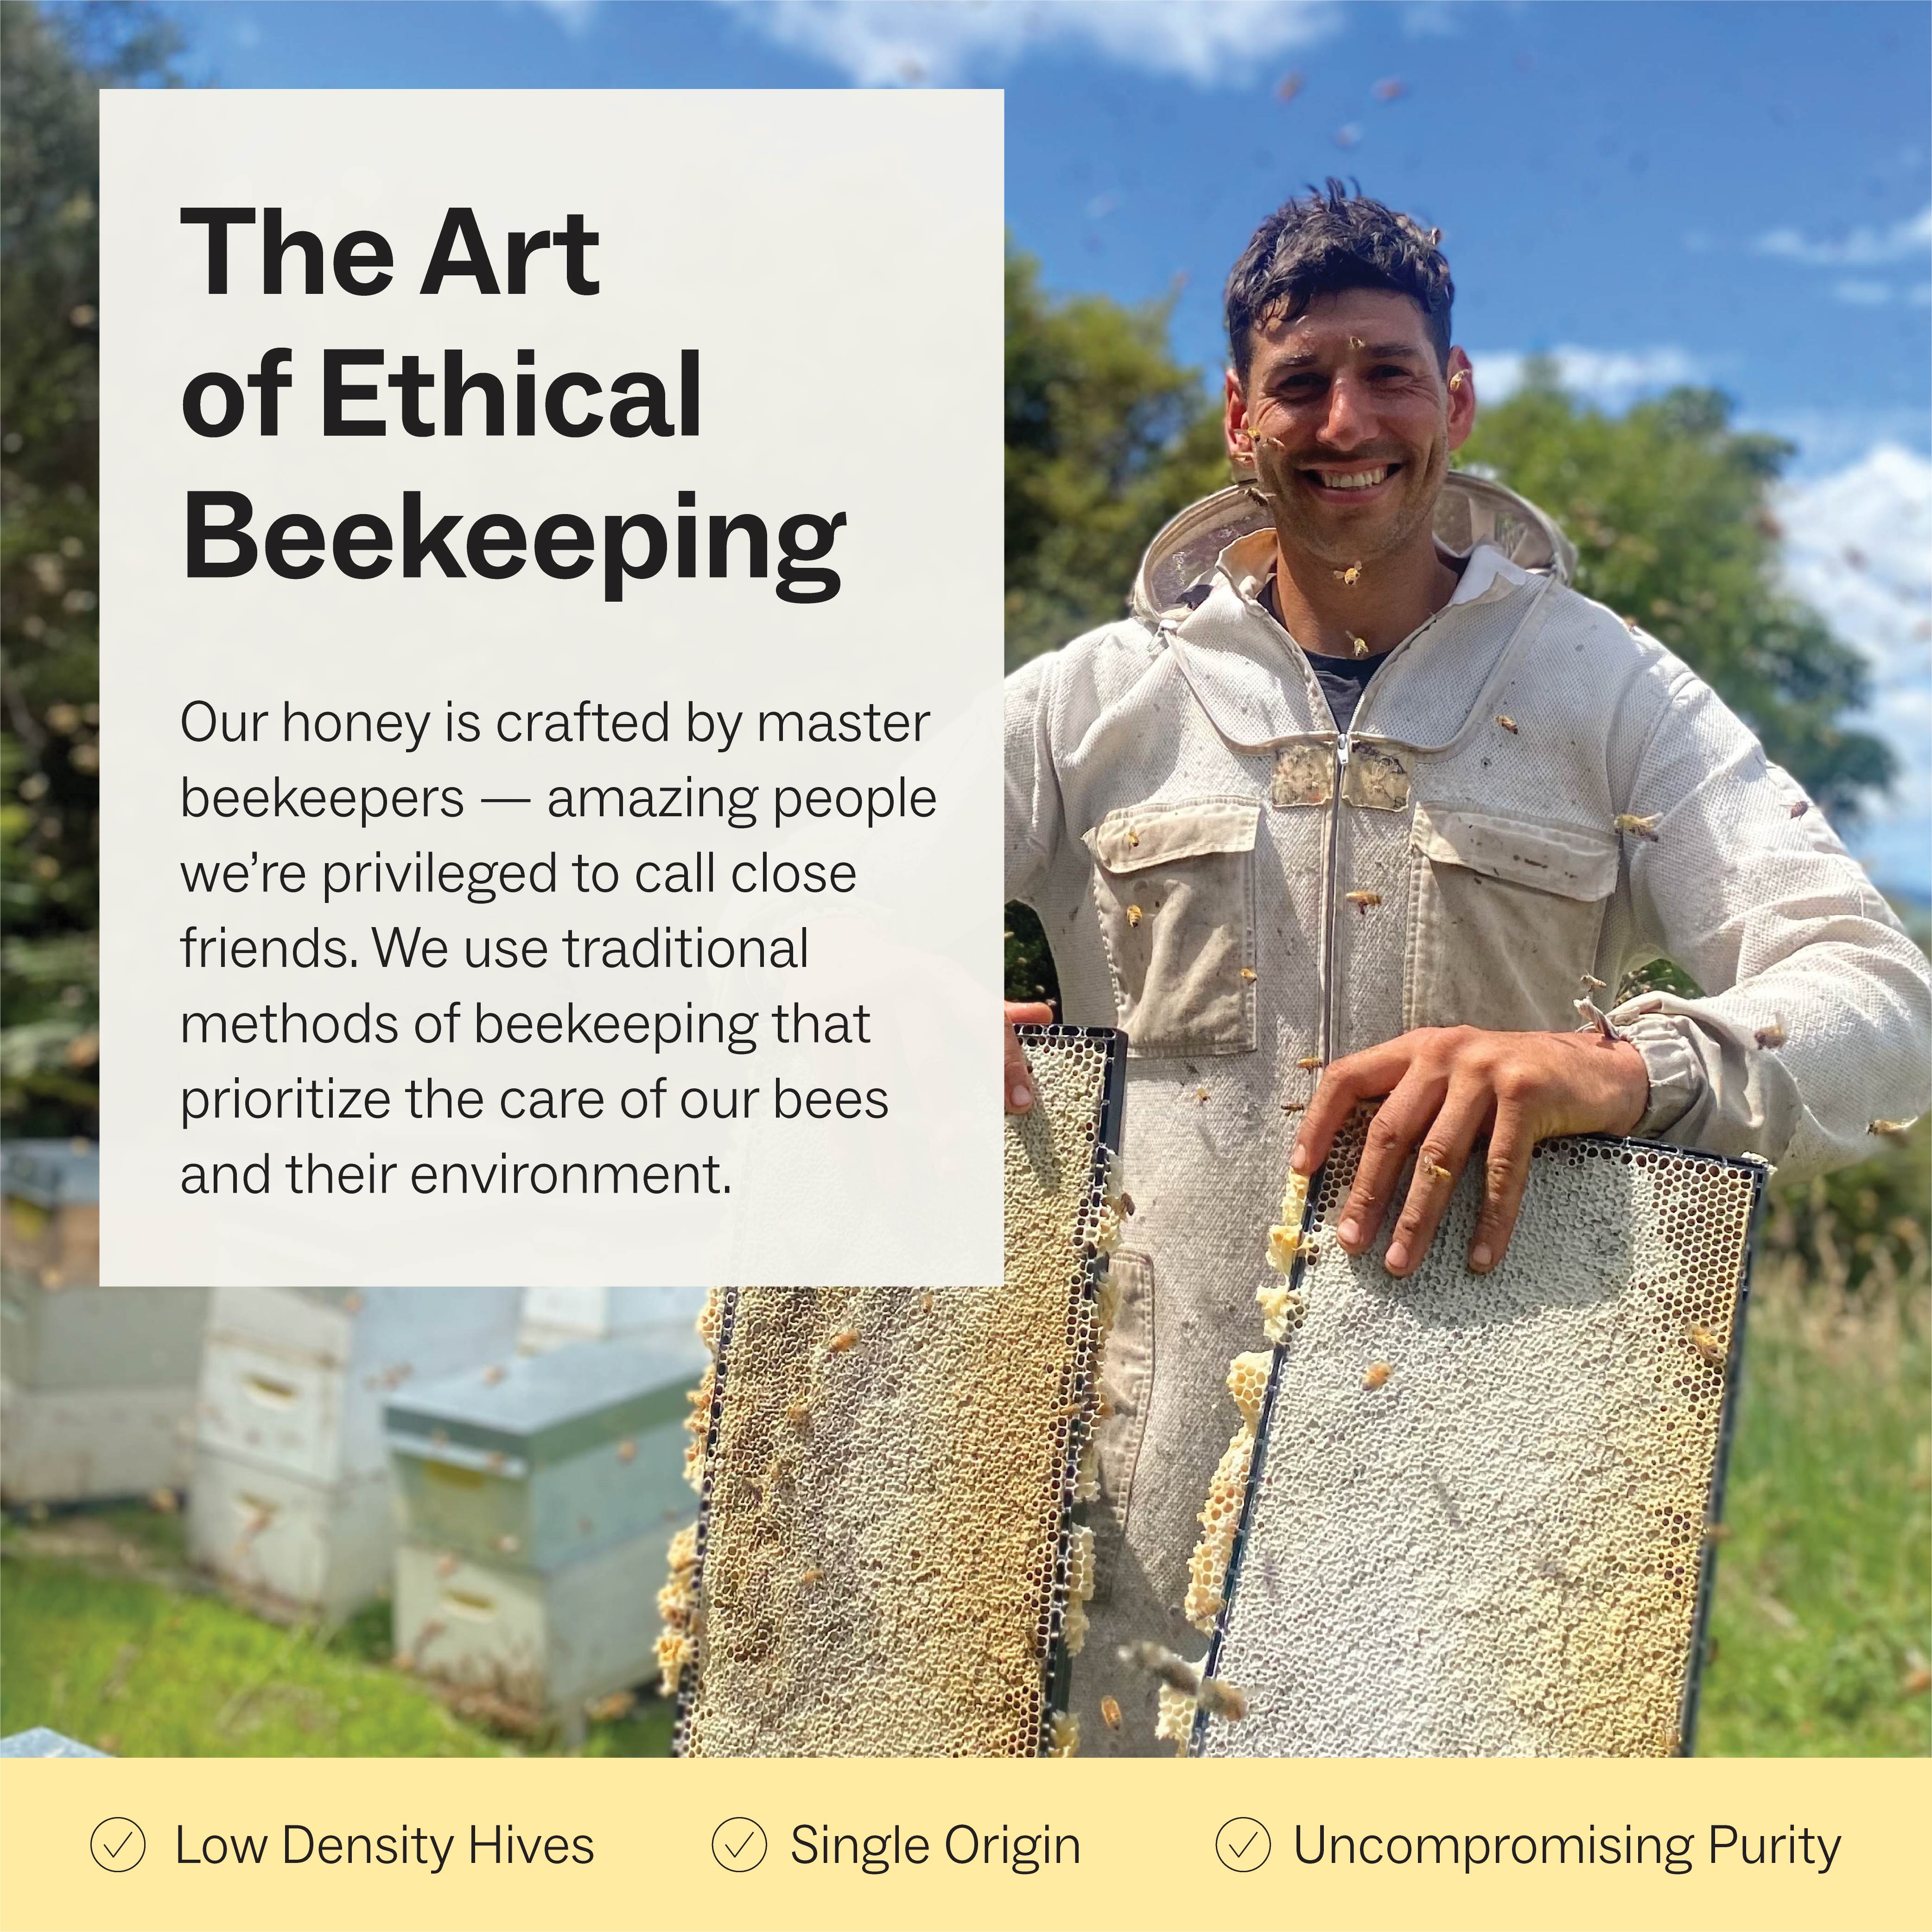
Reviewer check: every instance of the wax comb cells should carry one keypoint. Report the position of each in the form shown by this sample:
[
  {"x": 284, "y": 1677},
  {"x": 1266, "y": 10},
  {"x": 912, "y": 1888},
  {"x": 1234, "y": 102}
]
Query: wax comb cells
[
  {"x": 889, "y": 1560},
  {"x": 1487, "y": 1498}
]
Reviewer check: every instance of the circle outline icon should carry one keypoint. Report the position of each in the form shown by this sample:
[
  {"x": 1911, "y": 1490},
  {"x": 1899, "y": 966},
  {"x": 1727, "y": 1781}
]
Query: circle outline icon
[
  {"x": 1261, "y": 1830},
  {"x": 94, "y": 1850},
  {"x": 725, "y": 1857}
]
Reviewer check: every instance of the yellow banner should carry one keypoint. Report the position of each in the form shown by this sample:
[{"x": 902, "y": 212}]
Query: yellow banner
[{"x": 579, "y": 1843}]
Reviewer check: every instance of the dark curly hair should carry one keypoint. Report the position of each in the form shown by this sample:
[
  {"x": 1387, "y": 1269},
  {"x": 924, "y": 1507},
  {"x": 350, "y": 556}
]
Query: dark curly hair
[{"x": 1321, "y": 243}]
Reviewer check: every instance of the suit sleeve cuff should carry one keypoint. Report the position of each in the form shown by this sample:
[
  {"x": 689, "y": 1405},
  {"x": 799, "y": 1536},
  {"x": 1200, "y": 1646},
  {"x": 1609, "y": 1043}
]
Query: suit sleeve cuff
[{"x": 1676, "y": 1077}]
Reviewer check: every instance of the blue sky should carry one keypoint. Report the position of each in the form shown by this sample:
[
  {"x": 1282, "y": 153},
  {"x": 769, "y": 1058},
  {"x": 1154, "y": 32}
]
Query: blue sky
[{"x": 1735, "y": 193}]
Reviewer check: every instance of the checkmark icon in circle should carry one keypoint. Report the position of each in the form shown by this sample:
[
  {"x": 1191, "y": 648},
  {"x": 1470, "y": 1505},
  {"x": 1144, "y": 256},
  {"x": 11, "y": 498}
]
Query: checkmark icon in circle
[
  {"x": 117, "y": 1844},
  {"x": 738, "y": 1844},
  {"x": 1242, "y": 1845}
]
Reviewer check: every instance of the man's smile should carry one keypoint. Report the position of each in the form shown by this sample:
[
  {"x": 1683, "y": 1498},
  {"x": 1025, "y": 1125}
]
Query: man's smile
[{"x": 1356, "y": 483}]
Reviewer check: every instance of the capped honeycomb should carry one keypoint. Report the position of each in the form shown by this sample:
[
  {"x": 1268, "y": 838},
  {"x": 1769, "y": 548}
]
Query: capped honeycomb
[
  {"x": 1479, "y": 1523},
  {"x": 888, "y": 1560}
]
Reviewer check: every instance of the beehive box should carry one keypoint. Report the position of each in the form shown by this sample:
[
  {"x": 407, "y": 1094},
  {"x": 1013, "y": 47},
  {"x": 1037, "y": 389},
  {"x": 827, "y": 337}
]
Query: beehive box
[
  {"x": 50, "y": 1211},
  {"x": 295, "y": 1379},
  {"x": 42, "y": 1742},
  {"x": 888, "y": 1561},
  {"x": 90, "y": 1337},
  {"x": 1478, "y": 1521},
  {"x": 543, "y": 1461},
  {"x": 69, "y": 1445},
  {"x": 289, "y": 1547},
  {"x": 96, "y": 1388},
  {"x": 553, "y": 1318},
  {"x": 541, "y": 1641}
]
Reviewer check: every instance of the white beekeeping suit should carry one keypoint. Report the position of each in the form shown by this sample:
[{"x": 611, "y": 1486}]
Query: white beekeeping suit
[{"x": 1252, "y": 894}]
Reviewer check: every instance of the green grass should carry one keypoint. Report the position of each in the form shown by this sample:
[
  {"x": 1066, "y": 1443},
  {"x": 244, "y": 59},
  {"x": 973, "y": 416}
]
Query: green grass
[
  {"x": 136, "y": 1664},
  {"x": 1822, "y": 1602}
]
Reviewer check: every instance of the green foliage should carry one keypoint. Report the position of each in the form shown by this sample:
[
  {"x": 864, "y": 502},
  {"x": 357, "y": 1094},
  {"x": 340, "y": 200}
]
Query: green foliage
[
  {"x": 52, "y": 68},
  {"x": 1107, "y": 436},
  {"x": 1822, "y": 1604},
  {"x": 1668, "y": 507}
]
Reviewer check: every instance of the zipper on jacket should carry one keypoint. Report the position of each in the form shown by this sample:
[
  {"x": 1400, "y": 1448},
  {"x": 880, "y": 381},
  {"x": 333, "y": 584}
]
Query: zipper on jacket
[{"x": 1327, "y": 1044}]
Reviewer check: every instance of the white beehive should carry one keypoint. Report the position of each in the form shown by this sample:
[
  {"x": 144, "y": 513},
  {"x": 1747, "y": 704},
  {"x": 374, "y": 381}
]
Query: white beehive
[
  {"x": 69, "y": 1445},
  {"x": 97, "y": 1385},
  {"x": 539, "y": 1463},
  {"x": 554, "y": 1317},
  {"x": 290, "y": 1501},
  {"x": 295, "y": 1379},
  {"x": 51, "y": 1229},
  {"x": 289, "y": 1547},
  {"x": 544, "y": 1641}
]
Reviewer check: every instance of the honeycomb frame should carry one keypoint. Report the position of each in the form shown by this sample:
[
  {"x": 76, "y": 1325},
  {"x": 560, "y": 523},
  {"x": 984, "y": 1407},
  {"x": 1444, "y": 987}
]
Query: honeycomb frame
[
  {"x": 930, "y": 1609},
  {"x": 1597, "y": 1649}
]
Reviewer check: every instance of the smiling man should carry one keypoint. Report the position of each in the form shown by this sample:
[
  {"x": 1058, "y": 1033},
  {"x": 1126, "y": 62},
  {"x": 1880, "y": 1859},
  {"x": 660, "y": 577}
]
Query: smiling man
[{"x": 1363, "y": 800}]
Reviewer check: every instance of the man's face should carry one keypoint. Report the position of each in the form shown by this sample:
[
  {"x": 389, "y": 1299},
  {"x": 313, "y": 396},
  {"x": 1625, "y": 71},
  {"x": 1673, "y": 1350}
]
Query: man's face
[{"x": 1351, "y": 421}]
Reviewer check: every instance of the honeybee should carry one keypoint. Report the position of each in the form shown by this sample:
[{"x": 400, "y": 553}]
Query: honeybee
[
  {"x": 843, "y": 1340},
  {"x": 1294, "y": 1106},
  {"x": 1770, "y": 1036},
  {"x": 1110, "y": 1713},
  {"x": 1134, "y": 915},
  {"x": 1133, "y": 837},
  {"x": 1508, "y": 723},
  {"x": 1591, "y": 984},
  {"x": 1361, "y": 901},
  {"x": 1638, "y": 825},
  {"x": 925, "y": 1303},
  {"x": 1436, "y": 1170},
  {"x": 1376, "y": 1374},
  {"x": 1352, "y": 574},
  {"x": 1220, "y": 1699},
  {"x": 1310, "y": 1065},
  {"x": 1248, "y": 972},
  {"x": 1800, "y": 807},
  {"x": 811, "y": 1576},
  {"x": 1707, "y": 1345},
  {"x": 1200, "y": 1093},
  {"x": 1356, "y": 342},
  {"x": 1360, "y": 646},
  {"x": 1890, "y": 1130},
  {"x": 1457, "y": 377}
]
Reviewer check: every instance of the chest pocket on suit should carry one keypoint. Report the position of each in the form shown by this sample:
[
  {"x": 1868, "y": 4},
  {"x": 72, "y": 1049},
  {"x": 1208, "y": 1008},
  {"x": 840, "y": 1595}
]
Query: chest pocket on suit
[
  {"x": 1505, "y": 916},
  {"x": 1173, "y": 885}
]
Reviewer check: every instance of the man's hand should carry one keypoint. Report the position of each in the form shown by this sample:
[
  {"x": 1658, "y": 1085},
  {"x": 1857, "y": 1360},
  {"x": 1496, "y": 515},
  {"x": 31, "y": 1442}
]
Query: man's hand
[
  {"x": 1018, "y": 1078},
  {"x": 1447, "y": 1086}
]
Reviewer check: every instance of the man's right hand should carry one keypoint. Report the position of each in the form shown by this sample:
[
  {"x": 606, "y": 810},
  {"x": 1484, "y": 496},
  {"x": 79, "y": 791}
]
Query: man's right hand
[{"x": 1019, "y": 1077}]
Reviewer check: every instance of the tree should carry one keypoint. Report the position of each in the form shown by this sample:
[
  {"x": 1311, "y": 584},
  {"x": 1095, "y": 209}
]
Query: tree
[
  {"x": 1669, "y": 509},
  {"x": 1107, "y": 436},
  {"x": 52, "y": 68}
]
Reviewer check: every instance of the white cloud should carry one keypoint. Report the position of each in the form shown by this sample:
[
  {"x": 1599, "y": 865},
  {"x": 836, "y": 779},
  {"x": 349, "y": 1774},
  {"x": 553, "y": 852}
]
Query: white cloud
[
  {"x": 897, "y": 42},
  {"x": 1858, "y": 549},
  {"x": 1430, "y": 20},
  {"x": 1862, "y": 295},
  {"x": 1861, "y": 248},
  {"x": 1609, "y": 378}
]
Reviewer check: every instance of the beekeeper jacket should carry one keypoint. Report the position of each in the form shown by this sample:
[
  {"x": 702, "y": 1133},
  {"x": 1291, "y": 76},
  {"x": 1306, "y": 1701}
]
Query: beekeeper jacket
[{"x": 1250, "y": 894}]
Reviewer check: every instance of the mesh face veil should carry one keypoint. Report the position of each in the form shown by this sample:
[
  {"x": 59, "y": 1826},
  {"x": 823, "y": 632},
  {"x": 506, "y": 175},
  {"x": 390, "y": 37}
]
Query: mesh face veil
[
  {"x": 889, "y": 1560},
  {"x": 1488, "y": 1499}
]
